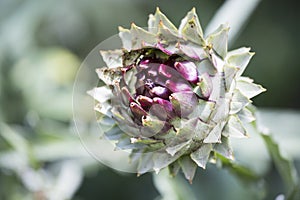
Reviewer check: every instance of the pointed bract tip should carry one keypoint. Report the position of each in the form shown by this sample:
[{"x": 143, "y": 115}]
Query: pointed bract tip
[
  {"x": 133, "y": 25},
  {"x": 156, "y": 170},
  {"x": 191, "y": 181},
  {"x": 157, "y": 10},
  {"x": 102, "y": 53},
  {"x": 91, "y": 92},
  {"x": 98, "y": 69},
  {"x": 121, "y": 29},
  {"x": 226, "y": 26},
  {"x": 193, "y": 10}
]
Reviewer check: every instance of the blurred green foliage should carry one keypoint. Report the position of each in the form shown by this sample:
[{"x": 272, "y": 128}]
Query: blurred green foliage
[{"x": 42, "y": 44}]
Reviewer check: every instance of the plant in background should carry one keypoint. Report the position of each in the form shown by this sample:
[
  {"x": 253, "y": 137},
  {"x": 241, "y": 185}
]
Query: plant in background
[{"x": 176, "y": 97}]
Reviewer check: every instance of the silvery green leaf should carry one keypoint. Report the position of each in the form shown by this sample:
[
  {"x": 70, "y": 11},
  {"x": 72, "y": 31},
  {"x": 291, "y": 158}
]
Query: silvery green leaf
[
  {"x": 188, "y": 128},
  {"x": 126, "y": 38},
  {"x": 192, "y": 50},
  {"x": 197, "y": 91},
  {"x": 112, "y": 58},
  {"x": 188, "y": 167},
  {"x": 238, "y": 102},
  {"x": 101, "y": 94},
  {"x": 224, "y": 148},
  {"x": 135, "y": 155},
  {"x": 190, "y": 28},
  {"x": 246, "y": 115},
  {"x": 162, "y": 159},
  {"x": 234, "y": 128},
  {"x": 151, "y": 24},
  {"x": 200, "y": 130},
  {"x": 201, "y": 155},
  {"x": 218, "y": 89},
  {"x": 106, "y": 123},
  {"x": 239, "y": 58},
  {"x": 172, "y": 150},
  {"x": 218, "y": 39},
  {"x": 110, "y": 76},
  {"x": 215, "y": 134},
  {"x": 152, "y": 124},
  {"x": 122, "y": 114},
  {"x": 229, "y": 73},
  {"x": 205, "y": 85},
  {"x": 182, "y": 135},
  {"x": 145, "y": 163},
  {"x": 222, "y": 110},
  {"x": 104, "y": 108},
  {"x": 125, "y": 143},
  {"x": 205, "y": 66},
  {"x": 174, "y": 168},
  {"x": 217, "y": 62},
  {"x": 170, "y": 133},
  {"x": 130, "y": 80},
  {"x": 125, "y": 122},
  {"x": 193, "y": 128},
  {"x": 183, "y": 102},
  {"x": 167, "y": 36},
  {"x": 154, "y": 147},
  {"x": 141, "y": 36},
  {"x": 248, "y": 88},
  {"x": 114, "y": 133},
  {"x": 156, "y": 19}
]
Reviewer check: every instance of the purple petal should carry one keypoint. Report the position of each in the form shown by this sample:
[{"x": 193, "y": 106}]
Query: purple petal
[
  {"x": 152, "y": 72},
  {"x": 137, "y": 110},
  {"x": 188, "y": 70},
  {"x": 165, "y": 70},
  {"x": 160, "y": 92},
  {"x": 162, "y": 109},
  {"x": 145, "y": 102},
  {"x": 177, "y": 86},
  {"x": 165, "y": 103},
  {"x": 140, "y": 86},
  {"x": 144, "y": 64}
]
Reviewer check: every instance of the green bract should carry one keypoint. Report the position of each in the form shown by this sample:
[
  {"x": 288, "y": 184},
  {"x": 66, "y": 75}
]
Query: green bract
[{"x": 175, "y": 96}]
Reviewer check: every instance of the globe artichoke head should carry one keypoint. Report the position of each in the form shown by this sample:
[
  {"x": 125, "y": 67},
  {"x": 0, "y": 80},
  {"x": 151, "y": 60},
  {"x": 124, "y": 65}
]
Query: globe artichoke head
[{"x": 175, "y": 96}]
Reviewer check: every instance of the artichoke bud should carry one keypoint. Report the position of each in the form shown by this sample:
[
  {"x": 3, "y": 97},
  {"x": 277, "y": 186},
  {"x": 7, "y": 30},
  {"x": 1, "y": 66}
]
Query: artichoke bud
[{"x": 176, "y": 96}]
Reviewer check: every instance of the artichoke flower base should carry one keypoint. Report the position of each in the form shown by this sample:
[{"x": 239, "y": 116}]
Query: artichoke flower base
[{"x": 174, "y": 97}]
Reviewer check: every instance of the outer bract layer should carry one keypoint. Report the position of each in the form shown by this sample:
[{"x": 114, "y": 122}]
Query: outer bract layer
[{"x": 175, "y": 96}]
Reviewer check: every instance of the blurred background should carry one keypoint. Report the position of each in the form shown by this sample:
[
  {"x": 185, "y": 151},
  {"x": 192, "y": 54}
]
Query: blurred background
[{"x": 42, "y": 45}]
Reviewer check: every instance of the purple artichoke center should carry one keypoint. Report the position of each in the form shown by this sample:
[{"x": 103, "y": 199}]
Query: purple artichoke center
[{"x": 165, "y": 82}]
